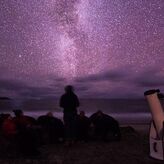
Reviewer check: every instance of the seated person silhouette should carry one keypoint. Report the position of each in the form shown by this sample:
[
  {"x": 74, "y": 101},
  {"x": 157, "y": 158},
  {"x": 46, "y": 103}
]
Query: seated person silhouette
[
  {"x": 23, "y": 121},
  {"x": 8, "y": 136},
  {"x": 105, "y": 127},
  {"x": 8, "y": 127},
  {"x": 26, "y": 134},
  {"x": 53, "y": 128}
]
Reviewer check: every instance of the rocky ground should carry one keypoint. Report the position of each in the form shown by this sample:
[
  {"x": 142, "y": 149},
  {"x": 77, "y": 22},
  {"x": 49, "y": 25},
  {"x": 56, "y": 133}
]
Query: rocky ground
[{"x": 132, "y": 149}]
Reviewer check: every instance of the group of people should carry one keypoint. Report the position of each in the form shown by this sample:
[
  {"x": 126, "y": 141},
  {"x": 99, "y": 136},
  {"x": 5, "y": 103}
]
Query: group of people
[
  {"x": 77, "y": 126},
  {"x": 28, "y": 133}
]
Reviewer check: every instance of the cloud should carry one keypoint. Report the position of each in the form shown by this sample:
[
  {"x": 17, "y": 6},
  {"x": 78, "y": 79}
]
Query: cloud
[
  {"x": 12, "y": 85},
  {"x": 150, "y": 78},
  {"x": 123, "y": 82},
  {"x": 113, "y": 75},
  {"x": 36, "y": 91},
  {"x": 20, "y": 89},
  {"x": 118, "y": 83}
]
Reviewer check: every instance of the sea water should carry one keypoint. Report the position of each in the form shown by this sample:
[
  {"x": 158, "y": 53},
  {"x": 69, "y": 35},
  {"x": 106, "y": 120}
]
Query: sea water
[{"x": 126, "y": 111}]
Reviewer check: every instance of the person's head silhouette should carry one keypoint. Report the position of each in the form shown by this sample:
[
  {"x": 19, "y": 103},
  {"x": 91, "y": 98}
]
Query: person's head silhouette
[{"x": 69, "y": 88}]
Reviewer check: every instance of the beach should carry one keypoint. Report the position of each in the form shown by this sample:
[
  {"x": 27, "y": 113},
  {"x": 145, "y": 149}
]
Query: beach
[{"x": 133, "y": 148}]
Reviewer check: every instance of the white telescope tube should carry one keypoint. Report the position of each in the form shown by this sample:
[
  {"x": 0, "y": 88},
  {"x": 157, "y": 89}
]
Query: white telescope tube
[{"x": 156, "y": 110}]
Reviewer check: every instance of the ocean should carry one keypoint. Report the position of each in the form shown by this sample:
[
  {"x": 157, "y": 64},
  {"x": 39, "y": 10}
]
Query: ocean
[{"x": 126, "y": 111}]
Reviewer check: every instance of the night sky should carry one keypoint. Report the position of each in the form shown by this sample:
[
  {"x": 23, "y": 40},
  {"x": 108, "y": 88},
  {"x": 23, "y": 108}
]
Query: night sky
[{"x": 105, "y": 48}]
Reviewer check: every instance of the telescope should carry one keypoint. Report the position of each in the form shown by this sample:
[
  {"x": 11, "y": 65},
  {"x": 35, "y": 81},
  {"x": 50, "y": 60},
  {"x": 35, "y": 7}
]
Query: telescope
[{"x": 156, "y": 133}]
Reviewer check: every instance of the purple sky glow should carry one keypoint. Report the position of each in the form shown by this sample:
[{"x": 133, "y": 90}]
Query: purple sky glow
[{"x": 106, "y": 49}]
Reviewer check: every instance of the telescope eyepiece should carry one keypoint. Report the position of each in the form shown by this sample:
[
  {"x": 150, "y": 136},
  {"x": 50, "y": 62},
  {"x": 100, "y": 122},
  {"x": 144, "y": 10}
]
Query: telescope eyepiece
[{"x": 152, "y": 91}]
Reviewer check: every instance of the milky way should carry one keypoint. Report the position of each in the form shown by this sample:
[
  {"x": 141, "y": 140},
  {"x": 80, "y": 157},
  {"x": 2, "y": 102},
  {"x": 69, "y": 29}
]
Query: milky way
[{"x": 104, "y": 48}]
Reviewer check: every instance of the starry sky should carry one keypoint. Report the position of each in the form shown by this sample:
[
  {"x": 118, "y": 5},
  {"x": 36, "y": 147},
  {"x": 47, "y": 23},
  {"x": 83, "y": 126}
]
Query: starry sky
[{"x": 106, "y": 49}]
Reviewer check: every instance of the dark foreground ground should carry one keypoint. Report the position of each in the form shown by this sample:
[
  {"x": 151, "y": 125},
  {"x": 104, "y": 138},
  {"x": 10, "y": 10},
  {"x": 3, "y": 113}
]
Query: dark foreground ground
[{"x": 132, "y": 149}]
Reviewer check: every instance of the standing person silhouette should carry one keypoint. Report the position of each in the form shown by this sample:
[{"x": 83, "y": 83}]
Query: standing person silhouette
[{"x": 69, "y": 102}]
